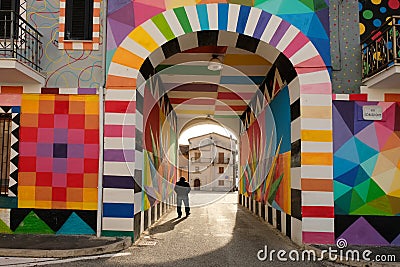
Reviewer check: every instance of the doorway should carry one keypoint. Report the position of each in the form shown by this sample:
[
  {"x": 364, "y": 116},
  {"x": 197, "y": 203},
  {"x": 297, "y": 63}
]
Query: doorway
[{"x": 197, "y": 184}]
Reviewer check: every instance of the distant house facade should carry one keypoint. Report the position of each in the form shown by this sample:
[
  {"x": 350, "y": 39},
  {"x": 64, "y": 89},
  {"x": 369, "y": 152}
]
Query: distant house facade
[
  {"x": 212, "y": 160},
  {"x": 183, "y": 161}
]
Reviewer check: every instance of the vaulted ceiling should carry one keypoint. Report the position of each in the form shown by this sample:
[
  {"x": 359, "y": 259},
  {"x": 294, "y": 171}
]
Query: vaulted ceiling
[{"x": 196, "y": 91}]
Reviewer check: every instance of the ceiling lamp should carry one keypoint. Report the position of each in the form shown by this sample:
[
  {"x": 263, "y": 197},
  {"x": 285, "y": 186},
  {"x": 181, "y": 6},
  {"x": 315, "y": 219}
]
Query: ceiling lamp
[{"x": 215, "y": 63}]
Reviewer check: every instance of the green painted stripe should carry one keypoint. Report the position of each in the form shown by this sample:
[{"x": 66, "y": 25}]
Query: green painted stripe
[
  {"x": 183, "y": 19},
  {"x": 185, "y": 70},
  {"x": 8, "y": 202},
  {"x": 117, "y": 233},
  {"x": 163, "y": 26}
]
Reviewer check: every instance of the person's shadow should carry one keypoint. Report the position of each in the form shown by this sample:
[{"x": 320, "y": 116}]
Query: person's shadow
[{"x": 167, "y": 226}]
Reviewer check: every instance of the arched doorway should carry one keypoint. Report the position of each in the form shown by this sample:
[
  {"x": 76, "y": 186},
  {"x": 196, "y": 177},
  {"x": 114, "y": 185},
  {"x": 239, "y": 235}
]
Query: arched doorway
[
  {"x": 149, "y": 44},
  {"x": 196, "y": 184}
]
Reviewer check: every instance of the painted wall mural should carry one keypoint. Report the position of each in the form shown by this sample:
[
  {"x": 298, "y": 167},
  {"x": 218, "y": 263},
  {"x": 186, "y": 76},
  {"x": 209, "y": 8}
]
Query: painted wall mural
[
  {"x": 63, "y": 68},
  {"x": 41, "y": 221},
  {"x": 160, "y": 146},
  {"x": 59, "y": 152},
  {"x": 311, "y": 17},
  {"x": 374, "y": 13},
  {"x": 345, "y": 46},
  {"x": 265, "y": 170},
  {"x": 366, "y": 173}
]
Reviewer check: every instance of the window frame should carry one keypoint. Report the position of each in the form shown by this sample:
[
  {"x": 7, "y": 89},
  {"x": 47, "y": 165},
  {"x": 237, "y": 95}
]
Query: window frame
[
  {"x": 86, "y": 45},
  {"x": 87, "y": 21}
]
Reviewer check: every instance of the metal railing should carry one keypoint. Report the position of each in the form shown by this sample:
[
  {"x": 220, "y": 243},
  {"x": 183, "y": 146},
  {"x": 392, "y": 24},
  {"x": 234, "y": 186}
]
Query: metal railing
[
  {"x": 381, "y": 49},
  {"x": 19, "y": 40},
  {"x": 223, "y": 161},
  {"x": 201, "y": 160}
]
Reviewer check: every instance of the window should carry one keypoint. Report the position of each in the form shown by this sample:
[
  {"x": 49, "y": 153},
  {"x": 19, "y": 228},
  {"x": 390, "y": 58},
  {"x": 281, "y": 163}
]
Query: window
[
  {"x": 221, "y": 170},
  {"x": 79, "y": 20},
  {"x": 6, "y": 17},
  {"x": 5, "y": 143},
  {"x": 221, "y": 182},
  {"x": 197, "y": 155},
  {"x": 220, "y": 157}
]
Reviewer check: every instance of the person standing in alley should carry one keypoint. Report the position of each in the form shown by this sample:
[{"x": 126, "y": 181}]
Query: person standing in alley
[{"x": 182, "y": 189}]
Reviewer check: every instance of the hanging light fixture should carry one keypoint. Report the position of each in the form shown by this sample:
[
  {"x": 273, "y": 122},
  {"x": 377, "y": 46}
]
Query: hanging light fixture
[{"x": 215, "y": 63}]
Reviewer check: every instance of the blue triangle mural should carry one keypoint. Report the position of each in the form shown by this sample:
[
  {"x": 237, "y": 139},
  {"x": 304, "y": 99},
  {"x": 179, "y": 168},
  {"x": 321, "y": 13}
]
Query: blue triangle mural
[
  {"x": 75, "y": 226},
  {"x": 348, "y": 178},
  {"x": 342, "y": 166},
  {"x": 340, "y": 189},
  {"x": 365, "y": 152},
  {"x": 348, "y": 151},
  {"x": 369, "y": 165}
]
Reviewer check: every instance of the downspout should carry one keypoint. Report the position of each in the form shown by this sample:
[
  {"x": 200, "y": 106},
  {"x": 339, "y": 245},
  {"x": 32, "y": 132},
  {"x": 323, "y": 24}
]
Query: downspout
[{"x": 101, "y": 125}]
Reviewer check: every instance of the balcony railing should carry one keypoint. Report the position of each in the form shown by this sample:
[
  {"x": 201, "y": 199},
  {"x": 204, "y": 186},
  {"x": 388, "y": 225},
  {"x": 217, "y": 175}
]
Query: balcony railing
[
  {"x": 201, "y": 160},
  {"x": 381, "y": 49},
  {"x": 223, "y": 161},
  {"x": 19, "y": 40}
]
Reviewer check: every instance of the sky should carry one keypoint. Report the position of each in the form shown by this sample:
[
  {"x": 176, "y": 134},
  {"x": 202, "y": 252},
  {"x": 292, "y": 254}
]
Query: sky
[{"x": 203, "y": 129}]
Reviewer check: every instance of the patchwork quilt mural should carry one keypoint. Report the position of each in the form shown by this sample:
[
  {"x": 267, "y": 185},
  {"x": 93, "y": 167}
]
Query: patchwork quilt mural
[
  {"x": 266, "y": 155},
  {"x": 366, "y": 173},
  {"x": 56, "y": 161}
]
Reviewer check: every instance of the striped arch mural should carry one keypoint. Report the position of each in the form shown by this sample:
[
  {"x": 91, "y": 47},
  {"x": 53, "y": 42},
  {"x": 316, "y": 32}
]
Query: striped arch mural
[{"x": 188, "y": 27}]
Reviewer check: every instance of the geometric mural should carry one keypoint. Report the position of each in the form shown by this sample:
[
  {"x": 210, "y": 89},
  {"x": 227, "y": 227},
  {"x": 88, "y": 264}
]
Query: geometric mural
[
  {"x": 266, "y": 156},
  {"x": 59, "y": 146},
  {"x": 366, "y": 160},
  {"x": 40, "y": 221},
  {"x": 368, "y": 230},
  {"x": 14, "y": 156},
  {"x": 159, "y": 146},
  {"x": 373, "y": 14},
  {"x": 310, "y": 17},
  {"x": 366, "y": 174}
]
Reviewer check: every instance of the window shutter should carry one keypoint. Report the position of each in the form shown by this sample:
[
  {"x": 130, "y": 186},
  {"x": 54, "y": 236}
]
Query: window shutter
[{"x": 79, "y": 20}]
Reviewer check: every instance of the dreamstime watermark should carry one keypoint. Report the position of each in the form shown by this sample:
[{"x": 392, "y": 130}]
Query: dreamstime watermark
[{"x": 332, "y": 254}]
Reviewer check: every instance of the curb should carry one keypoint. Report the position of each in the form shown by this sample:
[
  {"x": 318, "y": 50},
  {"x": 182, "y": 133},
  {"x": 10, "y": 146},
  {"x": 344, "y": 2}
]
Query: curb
[{"x": 61, "y": 253}]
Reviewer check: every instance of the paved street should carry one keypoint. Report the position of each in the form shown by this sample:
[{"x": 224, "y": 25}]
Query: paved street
[{"x": 219, "y": 234}]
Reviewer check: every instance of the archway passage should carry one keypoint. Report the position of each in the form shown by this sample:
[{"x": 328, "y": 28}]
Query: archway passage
[{"x": 188, "y": 27}]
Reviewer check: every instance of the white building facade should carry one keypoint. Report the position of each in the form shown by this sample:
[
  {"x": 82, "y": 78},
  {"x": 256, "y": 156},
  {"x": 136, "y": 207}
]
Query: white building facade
[{"x": 212, "y": 162}]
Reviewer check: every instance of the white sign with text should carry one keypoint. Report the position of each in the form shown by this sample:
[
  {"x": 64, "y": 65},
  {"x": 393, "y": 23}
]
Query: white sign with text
[{"x": 372, "y": 113}]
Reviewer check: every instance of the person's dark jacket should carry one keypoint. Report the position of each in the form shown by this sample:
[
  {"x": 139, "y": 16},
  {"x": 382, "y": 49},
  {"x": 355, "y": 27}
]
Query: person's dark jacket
[{"x": 182, "y": 188}]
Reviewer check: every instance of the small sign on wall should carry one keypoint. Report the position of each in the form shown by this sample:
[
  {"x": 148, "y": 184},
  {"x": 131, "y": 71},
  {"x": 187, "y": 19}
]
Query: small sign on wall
[{"x": 372, "y": 113}]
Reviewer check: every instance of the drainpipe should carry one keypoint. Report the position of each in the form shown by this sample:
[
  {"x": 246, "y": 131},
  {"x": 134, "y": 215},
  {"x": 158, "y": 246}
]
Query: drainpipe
[
  {"x": 101, "y": 126},
  {"x": 101, "y": 163}
]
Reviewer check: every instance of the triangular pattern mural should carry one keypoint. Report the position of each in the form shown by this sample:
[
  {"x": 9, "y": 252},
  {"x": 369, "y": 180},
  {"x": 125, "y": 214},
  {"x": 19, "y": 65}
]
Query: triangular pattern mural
[
  {"x": 32, "y": 224},
  {"x": 15, "y": 122},
  {"x": 64, "y": 222},
  {"x": 4, "y": 229},
  {"x": 367, "y": 161},
  {"x": 75, "y": 226},
  {"x": 368, "y": 230}
]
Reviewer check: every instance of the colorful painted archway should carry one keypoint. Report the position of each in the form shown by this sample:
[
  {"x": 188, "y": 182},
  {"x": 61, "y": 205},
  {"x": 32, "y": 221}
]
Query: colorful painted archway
[{"x": 310, "y": 92}]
